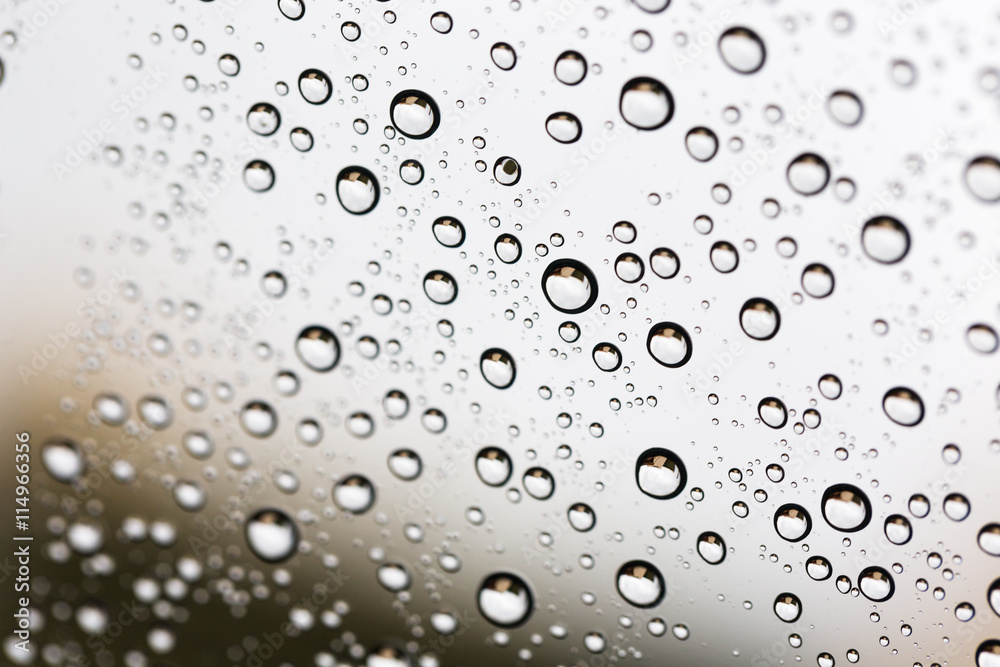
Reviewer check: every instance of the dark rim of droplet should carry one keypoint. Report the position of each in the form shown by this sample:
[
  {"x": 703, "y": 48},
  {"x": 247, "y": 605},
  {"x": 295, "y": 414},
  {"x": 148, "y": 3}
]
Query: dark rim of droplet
[
  {"x": 506, "y": 355},
  {"x": 670, "y": 456},
  {"x": 805, "y": 515},
  {"x": 435, "y": 112},
  {"x": 281, "y": 516},
  {"x": 361, "y": 171},
  {"x": 883, "y": 574},
  {"x": 582, "y": 268},
  {"x": 784, "y": 411},
  {"x": 858, "y": 493},
  {"x": 656, "y": 329},
  {"x": 313, "y": 73},
  {"x": 520, "y": 581},
  {"x": 631, "y": 84},
  {"x": 505, "y": 159},
  {"x": 603, "y": 347}
]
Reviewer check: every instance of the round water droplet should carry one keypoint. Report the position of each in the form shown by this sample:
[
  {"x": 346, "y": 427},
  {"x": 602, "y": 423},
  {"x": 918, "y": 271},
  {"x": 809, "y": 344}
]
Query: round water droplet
[
  {"x": 701, "y": 144},
  {"x": 982, "y": 176},
  {"x": 258, "y": 176},
  {"x": 354, "y": 493},
  {"x": 505, "y": 600},
  {"x": 897, "y": 529},
  {"x": 903, "y": 406},
  {"x": 724, "y": 257},
  {"x": 876, "y": 584},
  {"x": 503, "y": 56},
  {"x": 292, "y": 9},
  {"x": 569, "y": 286},
  {"x": 229, "y": 64},
  {"x": 190, "y": 495},
  {"x": 640, "y": 584},
  {"x": 272, "y": 535},
  {"x": 155, "y": 412},
  {"x": 982, "y": 338},
  {"x": 846, "y": 508},
  {"x": 792, "y": 522},
  {"x": 258, "y": 419},
  {"x": 263, "y": 119},
  {"x": 507, "y": 248},
  {"x": 564, "y": 127},
  {"x": 845, "y": 107},
  {"x": 660, "y": 473},
  {"x": 956, "y": 506},
  {"x": 629, "y": 268},
  {"x": 498, "y": 368},
  {"x": 570, "y": 68},
  {"x": 111, "y": 408},
  {"x": 760, "y": 319},
  {"x": 742, "y": 50},
  {"x": 669, "y": 344},
  {"x": 664, "y": 263},
  {"x": 711, "y": 548},
  {"x": 646, "y": 104},
  {"x": 988, "y": 653},
  {"x": 63, "y": 460},
  {"x": 818, "y": 568},
  {"x": 318, "y": 348},
  {"x": 441, "y": 22},
  {"x": 440, "y": 287},
  {"x": 885, "y": 239},
  {"x": 581, "y": 517},
  {"x": 808, "y": 174},
  {"x": 411, "y": 171},
  {"x": 315, "y": 86},
  {"x": 787, "y": 607},
  {"x": 415, "y": 114},
  {"x": 393, "y": 577},
  {"x": 357, "y": 190},
  {"x": 405, "y": 464},
  {"x": 538, "y": 482},
  {"x": 817, "y": 281},
  {"x": 989, "y": 539},
  {"x": 506, "y": 171},
  {"x": 448, "y": 231},
  {"x": 772, "y": 412},
  {"x": 607, "y": 357},
  {"x": 493, "y": 466}
]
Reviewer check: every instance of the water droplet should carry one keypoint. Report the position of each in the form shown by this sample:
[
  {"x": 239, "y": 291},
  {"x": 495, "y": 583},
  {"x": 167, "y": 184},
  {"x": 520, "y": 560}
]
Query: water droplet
[
  {"x": 258, "y": 419},
  {"x": 415, "y": 114},
  {"x": 669, "y": 344},
  {"x": 817, "y": 281},
  {"x": 229, "y": 64},
  {"x": 441, "y": 22},
  {"x": 664, "y": 263},
  {"x": 640, "y": 584},
  {"x": 393, "y": 577},
  {"x": 982, "y": 176},
  {"x": 357, "y": 190},
  {"x": 646, "y": 104},
  {"x": 760, "y": 319},
  {"x": 660, "y": 473},
  {"x": 607, "y": 357},
  {"x": 354, "y": 493},
  {"x": 271, "y": 535},
  {"x": 956, "y": 506},
  {"x": 724, "y": 257},
  {"x": 792, "y": 522},
  {"x": 876, "y": 584},
  {"x": 411, "y": 171},
  {"x": 982, "y": 338},
  {"x": 903, "y": 406},
  {"x": 258, "y": 176},
  {"x": 111, "y": 408},
  {"x": 448, "y": 231},
  {"x": 885, "y": 239},
  {"x": 787, "y": 607},
  {"x": 292, "y": 9},
  {"x": 570, "y": 68},
  {"x": 155, "y": 412},
  {"x": 440, "y": 287},
  {"x": 503, "y": 56},
  {"x": 318, "y": 348},
  {"x": 845, "y": 107},
  {"x": 701, "y": 143},
  {"x": 897, "y": 529},
  {"x": 772, "y": 412},
  {"x": 712, "y": 548},
  {"x": 742, "y": 50},
  {"x": 405, "y": 464},
  {"x": 818, "y": 568},
  {"x": 564, "y": 127},
  {"x": 497, "y": 367},
  {"x": 493, "y": 466},
  {"x": 63, "y": 460},
  {"x": 569, "y": 286},
  {"x": 263, "y": 119},
  {"x": 846, "y": 508},
  {"x": 315, "y": 86},
  {"x": 581, "y": 517},
  {"x": 808, "y": 174},
  {"x": 505, "y": 600}
]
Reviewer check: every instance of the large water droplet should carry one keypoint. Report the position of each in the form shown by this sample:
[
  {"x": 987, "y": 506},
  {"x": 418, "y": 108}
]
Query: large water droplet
[
  {"x": 564, "y": 127},
  {"x": 660, "y": 473},
  {"x": 646, "y": 104},
  {"x": 982, "y": 176},
  {"x": 357, "y": 190},
  {"x": 808, "y": 174},
  {"x": 271, "y": 535},
  {"x": 903, "y": 406},
  {"x": 885, "y": 239},
  {"x": 497, "y": 367},
  {"x": 318, "y": 348},
  {"x": 354, "y": 493},
  {"x": 640, "y": 584},
  {"x": 772, "y": 412},
  {"x": 792, "y": 522},
  {"x": 742, "y": 50},
  {"x": 258, "y": 176},
  {"x": 581, "y": 517},
  {"x": 569, "y": 286},
  {"x": 448, "y": 231},
  {"x": 787, "y": 607},
  {"x": 701, "y": 143},
  {"x": 669, "y": 344},
  {"x": 571, "y": 67},
  {"x": 63, "y": 460},
  {"x": 505, "y": 600},
  {"x": 415, "y": 114},
  {"x": 440, "y": 287},
  {"x": 538, "y": 482},
  {"x": 263, "y": 119},
  {"x": 876, "y": 584},
  {"x": 493, "y": 466},
  {"x": 315, "y": 86},
  {"x": 111, "y": 408},
  {"x": 846, "y": 508},
  {"x": 711, "y": 547},
  {"x": 503, "y": 56},
  {"x": 607, "y": 357},
  {"x": 258, "y": 419},
  {"x": 760, "y": 319}
]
